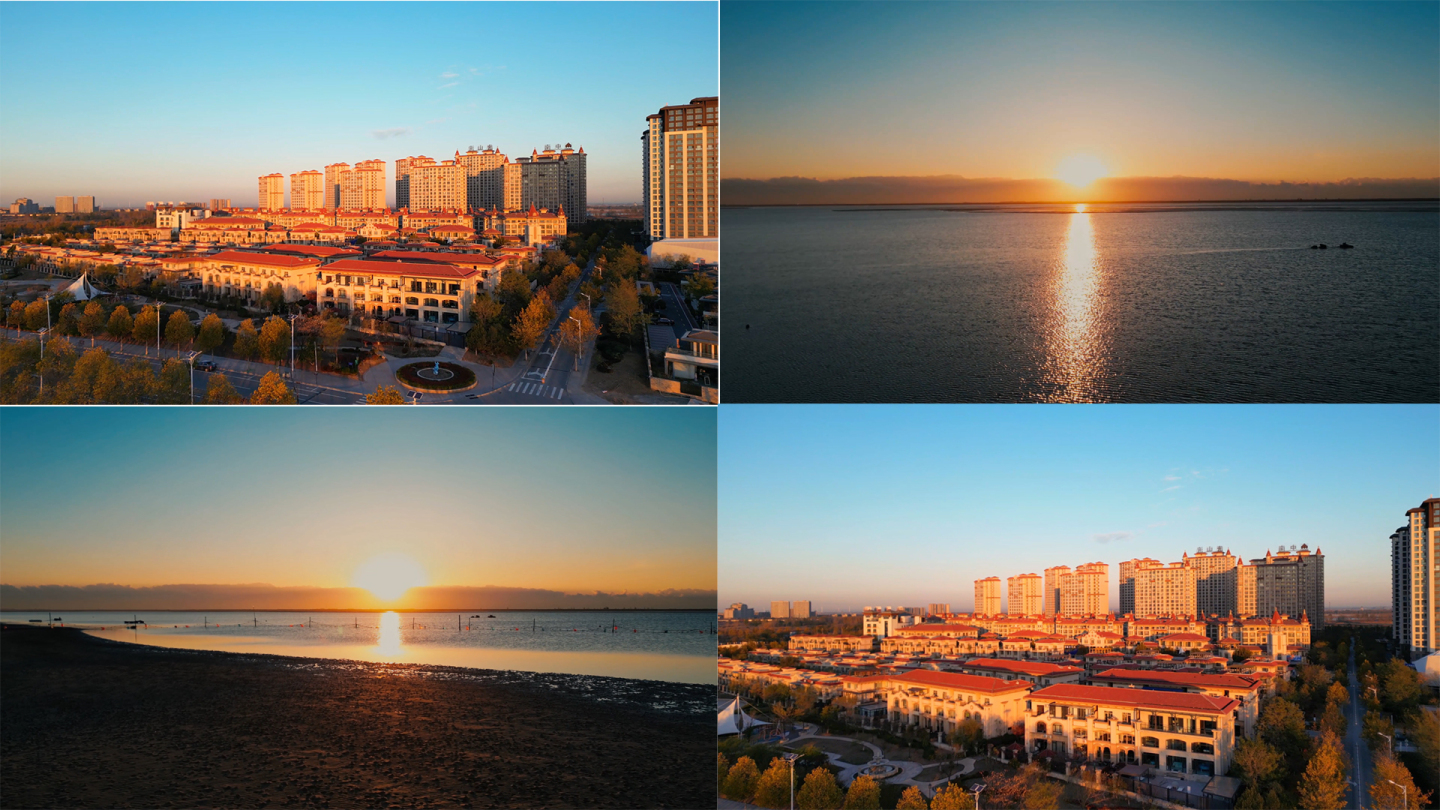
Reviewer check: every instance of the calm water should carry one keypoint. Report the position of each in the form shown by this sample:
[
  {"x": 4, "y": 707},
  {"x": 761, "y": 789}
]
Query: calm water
[
  {"x": 1125, "y": 303},
  {"x": 663, "y": 646}
]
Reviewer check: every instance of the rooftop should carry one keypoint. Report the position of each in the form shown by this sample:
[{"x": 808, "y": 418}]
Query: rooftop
[
  {"x": 398, "y": 268},
  {"x": 1142, "y": 698}
]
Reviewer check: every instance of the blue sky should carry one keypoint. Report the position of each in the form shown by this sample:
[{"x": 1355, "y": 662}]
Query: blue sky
[
  {"x": 566, "y": 499},
  {"x": 1255, "y": 91},
  {"x": 142, "y": 101},
  {"x": 856, "y": 505}
]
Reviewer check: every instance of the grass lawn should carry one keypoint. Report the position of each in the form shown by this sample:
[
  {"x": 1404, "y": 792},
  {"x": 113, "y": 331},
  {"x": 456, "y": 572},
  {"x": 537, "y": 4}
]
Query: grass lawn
[{"x": 850, "y": 753}]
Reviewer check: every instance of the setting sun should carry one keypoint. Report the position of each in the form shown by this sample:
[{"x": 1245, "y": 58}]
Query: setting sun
[
  {"x": 389, "y": 576},
  {"x": 1081, "y": 170}
]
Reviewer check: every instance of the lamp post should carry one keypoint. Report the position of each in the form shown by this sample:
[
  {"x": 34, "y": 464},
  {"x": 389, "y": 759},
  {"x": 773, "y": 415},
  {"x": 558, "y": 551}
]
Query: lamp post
[
  {"x": 976, "y": 788},
  {"x": 43, "y": 333},
  {"x": 579, "y": 346},
  {"x": 1390, "y": 743},
  {"x": 1404, "y": 794},
  {"x": 191, "y": 362},
  {"x": 790, "y": 758}
]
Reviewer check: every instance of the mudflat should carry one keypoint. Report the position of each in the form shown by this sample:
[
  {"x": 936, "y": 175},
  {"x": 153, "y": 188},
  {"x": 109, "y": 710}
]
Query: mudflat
[{"x": 96, "y": 723}]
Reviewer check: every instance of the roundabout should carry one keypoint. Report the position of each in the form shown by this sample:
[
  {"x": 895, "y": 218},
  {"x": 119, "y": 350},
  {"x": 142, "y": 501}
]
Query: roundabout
[{"x": 435, "y": 376}]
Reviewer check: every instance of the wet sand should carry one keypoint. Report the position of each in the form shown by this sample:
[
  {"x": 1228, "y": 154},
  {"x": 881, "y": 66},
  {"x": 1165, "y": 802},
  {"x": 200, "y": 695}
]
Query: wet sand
[{"x": 89, "y": 722}]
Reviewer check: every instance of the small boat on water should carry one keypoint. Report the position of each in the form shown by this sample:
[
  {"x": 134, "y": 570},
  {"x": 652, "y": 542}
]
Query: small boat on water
[
  {"x": 1345, "y": 246},
  {"x": 491, "y": 616}
]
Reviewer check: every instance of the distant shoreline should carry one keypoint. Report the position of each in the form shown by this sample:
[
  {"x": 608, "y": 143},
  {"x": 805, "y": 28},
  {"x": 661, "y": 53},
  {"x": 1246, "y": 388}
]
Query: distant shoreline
[
  {"x": 356, "y": 610},
  {"x": 1085, "y": 202}
]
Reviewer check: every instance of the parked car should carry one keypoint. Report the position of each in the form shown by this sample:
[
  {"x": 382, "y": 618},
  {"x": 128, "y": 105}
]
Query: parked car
[
  {"x": 664, "y": 322},
  {"x": 206, "y": 365}
]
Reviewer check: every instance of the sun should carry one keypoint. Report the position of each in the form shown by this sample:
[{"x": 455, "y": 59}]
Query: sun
[
  {"x": 1081, "y": 170},
  {"x": 389, "y": 576}
]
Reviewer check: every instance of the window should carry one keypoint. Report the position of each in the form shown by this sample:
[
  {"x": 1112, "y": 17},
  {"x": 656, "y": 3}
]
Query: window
[
  {"x": 1150, "y": 742},
  {"x": 411, "y": 300}
]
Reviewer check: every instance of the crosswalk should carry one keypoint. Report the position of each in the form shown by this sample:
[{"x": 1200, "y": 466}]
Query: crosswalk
[{"x": 535, "y": 389}]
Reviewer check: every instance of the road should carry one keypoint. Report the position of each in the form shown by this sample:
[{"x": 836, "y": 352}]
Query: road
[
  {"x": 547, "y": 377},
  {"x": 1355, "y": 742},
  {"x": 676, "y": 310}
]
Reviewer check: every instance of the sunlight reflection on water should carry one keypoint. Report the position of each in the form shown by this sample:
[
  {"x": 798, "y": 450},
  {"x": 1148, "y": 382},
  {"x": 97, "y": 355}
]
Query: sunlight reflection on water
[
  {"x": 389, "y": 643},
  {"x": 1074, "y": 359}
]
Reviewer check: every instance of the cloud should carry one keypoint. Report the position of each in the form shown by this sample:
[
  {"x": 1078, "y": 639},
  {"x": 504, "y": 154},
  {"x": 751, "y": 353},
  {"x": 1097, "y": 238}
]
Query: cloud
[
  {"x": 396, "y": 132},
  {"x": 437, "y": 120},
  {"x": 1112, "y": 536},
  {"x": 270, "y": 597},
  {"x": 947, "y": 189},
  {"x": 443, "y": 86},
  {"x": 448, "y": 75},
  {"x": 1171, "y": 478},
  {"x": 1170, "y": 489}
]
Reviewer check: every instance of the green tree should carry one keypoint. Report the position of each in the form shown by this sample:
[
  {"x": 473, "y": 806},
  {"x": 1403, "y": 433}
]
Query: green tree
[
  {"x": 1283, "y": 726},
  {"x": 247, "y": 340},
  {"x": 385, "y": 395},
  {"x": 275, "y": 339},
  {"x": 740, "y": 782},
  {"x": 146, "y": 328},
  {"x": 332, "y": 334},
  {"x": 952, "y": 797},
  {"x": 912, "y": 799},
  {"x": 530, "y": 324},
  {"x": 820, "y": 792},
  {"x": 273, "y": 298},
  {"x": 1322, "y": 786},
  {"x": 178, "y": 330},
  {"x": 92, "y": 322},
  {"x": 723, "y": 769},
  {"x": 773, "y": 787},
  {"x": 174, "y": 383},
  {"x": 1400, "y": 688},
  {"x": 212, "y": 334},
  {"x": 272, "y": 391},
  {"x": 69, "y": 320},
  {"x": 574, "y": 334},
  {"x": 968, "y": 736},
  {"x": 219, "y": 391},
  {"x": 16, "y": 316},
  {"x": 1256, "y": 762},
  {"x": 485, "y": 308},
  {"x": 864, "y": 794},
  {"x": 698, "y": 285},
  {"x": 622, "y": 307},
  {"x": 1424, "y": 727},
  {"x": 1240, "y": 656},
  {"x": 1385, "y": 788},
  {"x": 137, "y": 383},
  {"x": 119, "y": 326},
  {"x": 92, "y": 381},
  {"x": 36, "y": 314}
]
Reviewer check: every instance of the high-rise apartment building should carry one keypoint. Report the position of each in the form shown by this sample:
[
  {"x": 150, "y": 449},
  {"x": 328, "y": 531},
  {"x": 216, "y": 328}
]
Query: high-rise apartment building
[
  {"x": 363, "y": 187},
  {"x": 332, "y": 184},
  {"x": 779, "y": 610},
  {"x": 1217, "y": 581},
  {"x": 1127, "y": 584},
  {"x": 272, "y": 192},
  {"x": 1414, "y": 557},
  {"x": 987, "y": 596},
  {"x": 24, "y": 205},
  {"x": 307, "y": 191},
  {"x": 1052, "y": 588},
  {"x": 421, "y": 184},
  {"x": 739, "y": 610},
  {"x": 939, "y": 609},
  {"x": 1293, "y": 583},
  {"x": 64, "y": 205},
  {"x": 1244, "y": 590},
  {"x": 486, "y": 174},
  {"x": 1027, "y": 595},
  {"x": 554, "y": 179},
  {"x": 800, "y": 609},
  {"x": 1086, "y": 590},
  {"x": 84, "y": 205},
  {"x": 219, "y": 203},
  {"x": 1161, "y": 589},
  {"x": 679, "y": 167}
]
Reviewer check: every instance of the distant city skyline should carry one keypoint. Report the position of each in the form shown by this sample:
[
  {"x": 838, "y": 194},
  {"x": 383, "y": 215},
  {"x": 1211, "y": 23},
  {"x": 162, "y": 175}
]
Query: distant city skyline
[
  {"x": 990, "y": 102},
  {"x": 525, "y": 499},
  {"x": 172, "y": 112},
  {"x": 851, "y": 506}
]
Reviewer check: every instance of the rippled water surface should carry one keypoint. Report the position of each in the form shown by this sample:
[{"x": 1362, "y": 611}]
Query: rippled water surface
[
  {"x": 1122, "y": 303},
  {"x": 650, "y": 645}
]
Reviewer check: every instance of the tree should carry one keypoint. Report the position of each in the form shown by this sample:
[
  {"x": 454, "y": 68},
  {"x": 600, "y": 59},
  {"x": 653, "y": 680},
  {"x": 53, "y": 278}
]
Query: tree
[
  {"x": 273, "y": 298},
  {"x": 137, "y": 383},
  {"x": 16, "y": 316},
  {"x": 952, "y": 797},
  {"x": 36, "y": 314},
  {"x": 272, "y": 391},
  {"x": 622, "y": 307},
  {"x": 1240, "y": 656},
  {"x": 332, "y": 334},
  {"x": 92, "y": 321},
  {"x": 247, "y": 340},
  {"x": 69, "y": 320},
  {"x": 220, "y": 392},
  {"x": 92, "y": 380},
  {"x": 773, "y": 787},
  {"x": 574, "y": 334},
  {"x": 864, "y": 794},
  {"x": 385, "y": 395},
  {"x": 530, "y": 324},
  {"x": 275, "y": 339},
  {"x": 1282, "y": 725},
  {"x": 178, "y": 330},
  {"x": 485, "y": 309},
  {"x": 1043, "y": 794},
  {"x": 1387, "y": 796},
  {"x": 1333, "y": 717},
  {"x": 820, "y": 792},
  {"x": 119, "y": 325},
  {"x": 1400, "y": 688},
  {"x": 1424, "y": 729},
  {"x": 740, "y": 782},
  {"x": 968, "y": 736},
  {"x": 1256, "y": 762},
  {"x": 212, "y": 334},
  {"x": 147, "y": 326},
  {"x": 1322, "y": 786},
  {"x": 174, "y": 384},
  {"x": 912, "y": 799},
  {"x": 723, "y": 770},
  {"x": 698, "y": 285}
]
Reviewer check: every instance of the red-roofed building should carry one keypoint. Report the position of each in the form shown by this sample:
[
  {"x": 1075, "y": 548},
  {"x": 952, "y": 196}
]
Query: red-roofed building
[
  {"x": 423, "y": 292},
  {"x": 831, "y": 644},
  {"x": 1247, "y": 690},
  {"x": 1175, "y": 732},
  {"x": 940, "y": 701},
  {"x": 1038, "y": 673},
  {"x": 532, "y": 227},
  {"x": 322, "y": 252},
  {"x": 246, "y": 275}
]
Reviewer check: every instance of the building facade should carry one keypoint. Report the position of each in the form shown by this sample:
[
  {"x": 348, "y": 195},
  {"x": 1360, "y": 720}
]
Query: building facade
[
  {"x": 1291, "y": 582},
  {"x": 64, "y": 205},
  {"x": 1414, "y": 552},
  {"x": 779, "y": 610},
  {"x": 272, "y": 192},
  {"x": 532, "y": 227},
  {"x": 800, "y": 609},
  {"x": 680, "y": 162},
  {"x": 247, "y": 275},
  {"x": 1127, "y": 583},
  {"x": 941, "y": 701},
  {"x": 1217, "y": 581},
  {"x": 1086, "y": 590},
  {"x": 332, "y": 184},
  {"x": 425, "y": 292},
  {"x": 554, "y": 178},
  {"x": 486, "y": 176},
  {"x": 307, "y": 191},
  {"x": 987, "y": 596},
  {"x": 84, "y": 205},
  {"x": 1164, "y": 589},
  {"x": 430, "y": 186},
  {"x": 1027, "y": 595}
]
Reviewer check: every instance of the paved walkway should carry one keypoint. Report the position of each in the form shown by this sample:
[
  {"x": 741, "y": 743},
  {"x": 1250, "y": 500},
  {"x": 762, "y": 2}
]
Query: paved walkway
[{"x": 908, "y": 770}]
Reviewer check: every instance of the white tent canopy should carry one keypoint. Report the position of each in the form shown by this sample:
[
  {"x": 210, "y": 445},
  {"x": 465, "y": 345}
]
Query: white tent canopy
[
  {"x": 734, "y": 720},
  {"x": 83, "y": 290}
]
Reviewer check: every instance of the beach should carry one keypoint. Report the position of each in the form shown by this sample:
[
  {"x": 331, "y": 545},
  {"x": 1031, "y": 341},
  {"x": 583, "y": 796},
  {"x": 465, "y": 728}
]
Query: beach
[{"x": 90, "y": 722}]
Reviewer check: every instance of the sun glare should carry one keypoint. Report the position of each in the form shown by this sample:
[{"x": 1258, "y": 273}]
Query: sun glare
[
  {"x": 389, "y": 576},
  {"x": 1081, "y": 170}
]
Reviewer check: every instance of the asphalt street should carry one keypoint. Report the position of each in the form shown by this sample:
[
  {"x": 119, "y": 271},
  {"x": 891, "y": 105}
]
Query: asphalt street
[{"x": 1359, "y": 751}]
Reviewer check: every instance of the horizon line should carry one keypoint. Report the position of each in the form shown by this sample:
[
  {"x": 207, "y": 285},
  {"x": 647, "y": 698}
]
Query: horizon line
[{"x": 1088, "y": 202}]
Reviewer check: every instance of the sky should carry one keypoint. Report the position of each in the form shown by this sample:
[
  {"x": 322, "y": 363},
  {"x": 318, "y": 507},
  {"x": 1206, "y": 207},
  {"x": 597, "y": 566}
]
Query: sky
[
  {"x": 1255, "y": 92},
  {"x": 132, "y": 102},
  {"x": 570, "y": 500},
  {"x": 849, "y": 506}
]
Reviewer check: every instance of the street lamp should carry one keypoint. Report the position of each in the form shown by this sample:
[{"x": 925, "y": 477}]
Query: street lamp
[
  {"x": 790, "y": 758},
  {"x": 580, "y": 347},
  {"x": 43, "y": 333},
  {"x": 1404, "y": 794},
  {"x": 191, "y": 361},
  {"x": 976, "y": 788},
  {"x": 1389, "y": 741}
]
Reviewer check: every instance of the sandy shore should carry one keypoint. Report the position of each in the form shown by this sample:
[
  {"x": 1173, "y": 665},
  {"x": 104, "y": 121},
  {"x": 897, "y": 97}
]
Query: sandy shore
[{"x": 94, "y": 723}]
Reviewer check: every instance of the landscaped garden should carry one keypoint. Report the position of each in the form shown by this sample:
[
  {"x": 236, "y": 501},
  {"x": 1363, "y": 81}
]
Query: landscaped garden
[{"x": 435, "y": 376}]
